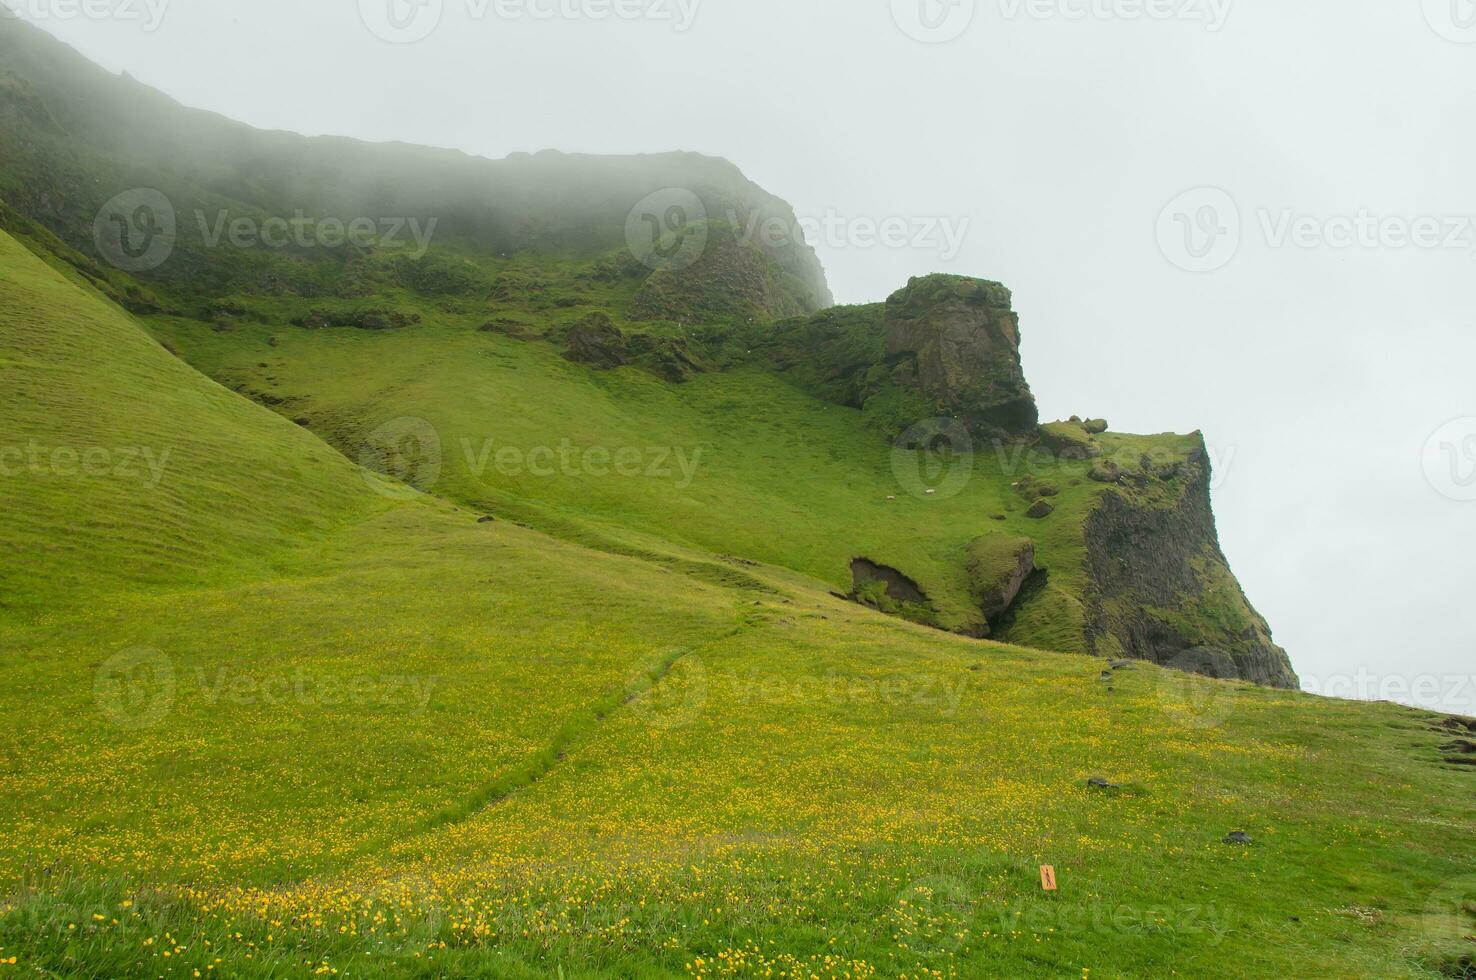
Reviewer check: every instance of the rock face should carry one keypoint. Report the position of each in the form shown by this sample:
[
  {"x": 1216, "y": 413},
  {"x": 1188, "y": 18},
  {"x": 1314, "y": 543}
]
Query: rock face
[
  {"x": 596, "y": 341},
  {"x": 1161, "y": 588},
  {"x": 961, "y": 339}
]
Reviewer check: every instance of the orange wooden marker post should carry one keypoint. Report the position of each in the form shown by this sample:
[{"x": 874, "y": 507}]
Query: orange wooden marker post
[{"x": 1048, "y": 877}]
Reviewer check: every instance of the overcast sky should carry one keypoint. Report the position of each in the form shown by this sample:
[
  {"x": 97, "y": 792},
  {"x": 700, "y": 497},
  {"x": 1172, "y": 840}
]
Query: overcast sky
[{"x": 1250, "y": 217}]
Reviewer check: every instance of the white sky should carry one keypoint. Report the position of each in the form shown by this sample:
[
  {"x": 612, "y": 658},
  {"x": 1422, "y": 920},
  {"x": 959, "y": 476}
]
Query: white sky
[{"x": 1059, "y": 130}]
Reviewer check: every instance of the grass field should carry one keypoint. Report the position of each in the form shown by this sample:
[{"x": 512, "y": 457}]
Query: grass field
[{"x": 270, "y": 715}]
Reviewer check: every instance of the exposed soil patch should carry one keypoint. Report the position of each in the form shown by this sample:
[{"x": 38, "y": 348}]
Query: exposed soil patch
[{"x": 899, "y": 587}]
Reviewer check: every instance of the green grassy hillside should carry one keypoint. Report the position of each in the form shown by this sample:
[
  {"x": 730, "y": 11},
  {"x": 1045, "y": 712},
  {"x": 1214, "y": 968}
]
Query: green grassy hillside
[{"x": 347, "y": 728}]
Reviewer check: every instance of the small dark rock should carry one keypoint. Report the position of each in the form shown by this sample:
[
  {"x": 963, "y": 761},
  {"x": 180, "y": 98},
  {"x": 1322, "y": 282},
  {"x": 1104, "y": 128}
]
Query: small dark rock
[
  {"x": 1097, "y": 782},
  {"x": 488, "y": 519},
  {"x": 1239, "y": 838},
  {"x": 1041, "y": 508}
]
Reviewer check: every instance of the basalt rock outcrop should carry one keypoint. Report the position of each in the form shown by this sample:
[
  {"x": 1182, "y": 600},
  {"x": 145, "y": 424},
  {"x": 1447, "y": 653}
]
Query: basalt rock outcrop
[
  {"x": 961, "y": 340},
  {"x": 941, "y": 347},
  {"x": 1160, "y": 587}
]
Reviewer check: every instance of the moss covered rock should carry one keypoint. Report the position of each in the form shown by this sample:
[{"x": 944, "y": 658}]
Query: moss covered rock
[
  {"x": 998, "y": 565},
  {"x": 961, "y": 340}
]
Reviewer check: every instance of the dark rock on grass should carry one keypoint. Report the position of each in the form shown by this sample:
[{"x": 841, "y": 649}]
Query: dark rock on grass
[
  {"x": 273, "y": 342},
  {"x": 488, "y": 519},
  {"x": 1095, "y": 426},
  {"x": 1239, "y": 838},
  {"x": 1097, "y": 782},
  {"x": 1041, "y": 509},
  {"x": 1106, "y": 472},
  {"x": 596, "y": 341}
]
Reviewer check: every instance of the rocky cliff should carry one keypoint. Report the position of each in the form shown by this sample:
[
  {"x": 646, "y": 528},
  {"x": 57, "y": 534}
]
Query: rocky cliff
[{"x": 1161, "y": 588}]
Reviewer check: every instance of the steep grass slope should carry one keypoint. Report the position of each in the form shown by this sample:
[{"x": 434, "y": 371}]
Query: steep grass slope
[
  {"x": 397, "y": 741},
  {"x": 121, "y": 464}
]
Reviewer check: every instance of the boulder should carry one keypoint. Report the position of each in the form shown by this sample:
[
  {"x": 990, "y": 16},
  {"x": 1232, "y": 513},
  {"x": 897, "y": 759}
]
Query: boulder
[
  {"x": 998, "y": 566},
  {"x": 1041, "y": 508},
  {"x": 1106, "y": 472},
  {"x": 1095, "y": 426},
  {"x": 1067, "y": 441},
  {"x": 959, "y": 341}
]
